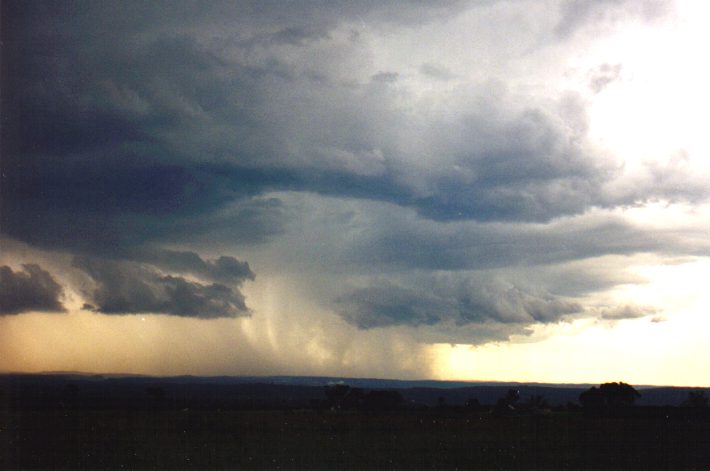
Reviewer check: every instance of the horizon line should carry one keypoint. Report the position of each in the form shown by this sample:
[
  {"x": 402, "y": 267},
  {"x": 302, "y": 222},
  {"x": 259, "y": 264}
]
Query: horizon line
[{"x": 420, "y": 380}]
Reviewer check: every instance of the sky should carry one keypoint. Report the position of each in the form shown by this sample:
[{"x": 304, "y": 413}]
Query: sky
[{"x": 471, "y": 190}]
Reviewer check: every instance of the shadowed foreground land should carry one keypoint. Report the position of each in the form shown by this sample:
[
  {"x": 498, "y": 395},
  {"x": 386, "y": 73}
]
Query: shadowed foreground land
[
  {"x": 61, "y": 426},
  {"x": 236, "y": 439}
]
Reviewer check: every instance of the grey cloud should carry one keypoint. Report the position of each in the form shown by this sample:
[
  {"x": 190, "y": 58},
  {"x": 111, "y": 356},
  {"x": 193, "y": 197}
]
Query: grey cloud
[
  {"x": 133, "y": 103},
  {"x": 385, "y": 77},
  {"x": 224, "y": 268},
  {"x": 155, "y": 125},
  {"x": 471, "y": 307},
  {"x": 578, "y": 14},
  {"x": 298, "y": 36},
  {"x": 175, "y": 124},
  {"x": 131, "y": 288},
  {"x": 475, "y": 333},
  {"x": 31, "y": 289},
  {"x": 451, "y": 299},
  {"x": 436, "y": 71},
  {"x": 627, "y": 312},
  {"x": 604, "y": 75},
  {"x": 398, "y": 243},
  {"x": 579, "y": 278},
  {"x": 380, "y": 306}
]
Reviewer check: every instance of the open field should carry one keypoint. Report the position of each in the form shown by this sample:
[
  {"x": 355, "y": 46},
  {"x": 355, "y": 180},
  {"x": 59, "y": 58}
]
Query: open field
[{"x": 169, "y": 439}]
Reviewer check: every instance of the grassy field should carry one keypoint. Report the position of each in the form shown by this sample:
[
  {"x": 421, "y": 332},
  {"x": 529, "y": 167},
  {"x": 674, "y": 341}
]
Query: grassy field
[{"x": 95, "y": 439}]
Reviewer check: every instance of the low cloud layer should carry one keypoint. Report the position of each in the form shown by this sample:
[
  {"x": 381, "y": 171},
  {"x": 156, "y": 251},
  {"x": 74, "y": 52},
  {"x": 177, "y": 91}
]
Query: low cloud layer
[
  {"x": 29, "y": 289},
  {"x": 224, "y": 268},
  {"x": 132, "y": 288},
  {"x": 449, "y": 300}
]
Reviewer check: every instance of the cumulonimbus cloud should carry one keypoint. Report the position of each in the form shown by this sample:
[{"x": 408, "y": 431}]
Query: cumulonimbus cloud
[
  {"x": 29, "y": 289},
  {"x": 186, "y": 126},
  {"x": 131, "y": 288}
]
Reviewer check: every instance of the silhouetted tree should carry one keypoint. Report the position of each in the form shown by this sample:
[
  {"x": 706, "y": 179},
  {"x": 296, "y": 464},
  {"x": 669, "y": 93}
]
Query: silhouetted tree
[
  {"x": 696, "y": 399},
  {"x": 382, "y": 400},
  {"x": 592, "y": 398},
  {"x": 506, "y": 404},
  {"x": 473, "y": 405},
  {"x": 342, "y": 396},
  {"x": 335, "y": 393},
  {"x": 608, "y": 396},
  {"x": 619, "y": 394},
  {"x": 537, "y": 403}
]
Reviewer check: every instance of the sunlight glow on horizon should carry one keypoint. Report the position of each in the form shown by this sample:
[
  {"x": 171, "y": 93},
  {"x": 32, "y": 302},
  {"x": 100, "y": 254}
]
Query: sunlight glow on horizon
[{"x": 668, "y": 348}]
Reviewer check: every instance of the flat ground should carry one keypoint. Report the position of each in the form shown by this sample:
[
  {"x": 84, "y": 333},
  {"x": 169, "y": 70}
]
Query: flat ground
[{"x": 119, "y": 439}]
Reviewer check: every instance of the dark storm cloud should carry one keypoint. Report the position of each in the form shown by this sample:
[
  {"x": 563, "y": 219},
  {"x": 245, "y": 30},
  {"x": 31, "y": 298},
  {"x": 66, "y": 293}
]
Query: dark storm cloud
[
  {"x": 31, "y": 289},
  {"x": 147, "y": 280},
  {"x": 456, "y": 299},
  {"x": 502, "y": 303},
  {"x": 131, "y": 288},
  {"x": 125, "y": 123},
  {"x": 224, "y": 268},
  {"x": 107, "y": 207},
  {"x": 131, "y": 127},
  {"x": 381, "y": 306},
  {"x": 403, "y": 243}
]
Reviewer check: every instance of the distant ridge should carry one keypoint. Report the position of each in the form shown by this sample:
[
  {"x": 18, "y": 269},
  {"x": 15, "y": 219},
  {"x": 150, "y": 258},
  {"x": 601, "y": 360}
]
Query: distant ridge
[
  {"x": 381, "y": 383},
  {"x": 329, "y": 380},
  {"x": 301, "y": 390}
]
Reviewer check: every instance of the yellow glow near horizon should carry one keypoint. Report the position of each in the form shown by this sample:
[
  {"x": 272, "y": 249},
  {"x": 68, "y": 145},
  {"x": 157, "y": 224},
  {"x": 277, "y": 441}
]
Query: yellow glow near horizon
[{"x": 668, "y": 349}]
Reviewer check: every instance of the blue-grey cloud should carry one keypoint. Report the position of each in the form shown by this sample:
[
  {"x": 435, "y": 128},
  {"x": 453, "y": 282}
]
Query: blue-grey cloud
[
  {"x": 132, "y": 288},
  {"x": 129, "y": 128},
  {"x": 29, "y": 289},
  {"x": 397, "y": 242},
  {"x": 224, "y": 268},
  {"x": 125, "y": 135},
  {"x": 454, "y": 299}
]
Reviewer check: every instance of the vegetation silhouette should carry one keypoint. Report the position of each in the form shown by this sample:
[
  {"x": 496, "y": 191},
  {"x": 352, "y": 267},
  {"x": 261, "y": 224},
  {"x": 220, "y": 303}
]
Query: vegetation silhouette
[
  {"x": 696, "y": 399},
  {"x": 207, "y": 423},
  {"x": 608, "y": 398},
  {"x": 382, "y": 401},
  {"x": 505, "y": 405},
  {"x": 341, "y": 397}
]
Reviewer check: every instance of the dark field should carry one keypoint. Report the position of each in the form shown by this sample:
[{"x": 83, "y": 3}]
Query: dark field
[
  {"x": 94, "y": 439},
  {"x": 87, "y": 422}
]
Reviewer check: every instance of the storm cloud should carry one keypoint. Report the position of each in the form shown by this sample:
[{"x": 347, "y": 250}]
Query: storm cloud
[
  {"x": 158, "y": 120},
  {"x": 29, "y": 289},
  {"x": 131, "y": 288},
  {"x": 223, "y": 268},
  {"x": 450, "y": 300},
  {"x": 432, "y": 172}
]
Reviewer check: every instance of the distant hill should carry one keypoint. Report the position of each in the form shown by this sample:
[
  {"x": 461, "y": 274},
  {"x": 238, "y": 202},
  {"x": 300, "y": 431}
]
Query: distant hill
[{"x": 41, "y": 390}]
